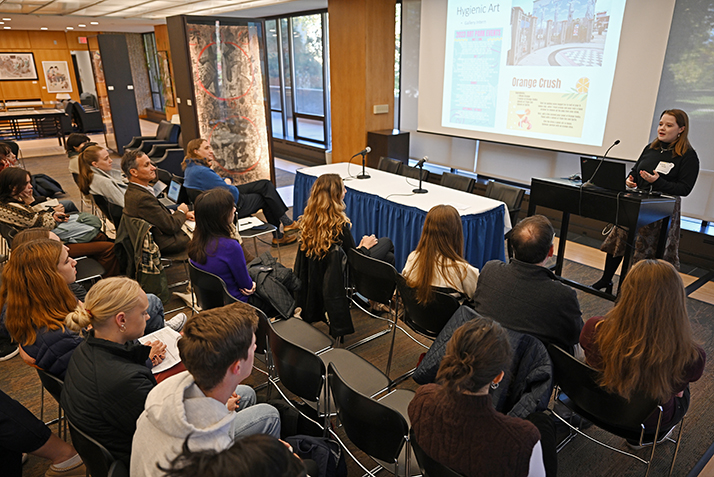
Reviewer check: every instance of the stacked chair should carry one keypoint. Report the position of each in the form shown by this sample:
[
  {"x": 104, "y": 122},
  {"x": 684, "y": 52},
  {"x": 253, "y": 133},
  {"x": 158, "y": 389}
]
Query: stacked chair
[{"x": 167, "y": 134}]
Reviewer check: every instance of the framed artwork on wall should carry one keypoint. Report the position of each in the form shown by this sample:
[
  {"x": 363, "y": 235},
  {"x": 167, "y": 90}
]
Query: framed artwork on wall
[
  {"x": 168, "y": 89},
  {"x": 17, "y": 66},
  {"x": 57, "y": 76}
]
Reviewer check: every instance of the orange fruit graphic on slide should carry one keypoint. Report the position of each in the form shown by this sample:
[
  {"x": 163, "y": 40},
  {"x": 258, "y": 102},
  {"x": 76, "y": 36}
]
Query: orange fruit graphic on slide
[{"x": 582, "y": 85}]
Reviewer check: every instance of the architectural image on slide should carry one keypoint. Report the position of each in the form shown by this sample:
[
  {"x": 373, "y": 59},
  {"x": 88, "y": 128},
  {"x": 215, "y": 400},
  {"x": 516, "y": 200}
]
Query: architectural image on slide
[{"x": 558, "y": 32}]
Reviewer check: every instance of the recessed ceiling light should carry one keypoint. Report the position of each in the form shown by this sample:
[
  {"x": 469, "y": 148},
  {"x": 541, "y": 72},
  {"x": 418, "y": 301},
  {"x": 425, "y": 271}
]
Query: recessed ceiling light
[
  {"x": 2, "y": 23},
  {"x": 82, "y": 25},
  {"x": 70, "y": 28},
  {"x": 6, "y": 19},
  {"x": 94, "y": 23},
  {"x": 7, "y": 28},
  {"x": 43, "y": 28}
]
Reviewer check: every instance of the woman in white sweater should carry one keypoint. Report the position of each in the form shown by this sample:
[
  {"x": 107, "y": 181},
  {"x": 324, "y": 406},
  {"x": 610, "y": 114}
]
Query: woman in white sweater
[
  {"x": 96, "y": 175},
  {"x": 438, "y": 260}
]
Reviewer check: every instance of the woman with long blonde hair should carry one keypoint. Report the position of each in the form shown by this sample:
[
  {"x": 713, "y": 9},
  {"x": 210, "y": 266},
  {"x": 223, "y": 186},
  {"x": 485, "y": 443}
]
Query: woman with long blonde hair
[
  {"x": 325, "y": 223},
  {"x": 109, "y": 374},
  {"x": 96, "y": 175},
  {"x": 249, "y": 197},
  {"x": 438, "y": 260},
  {"x": 645, "y": 344}
]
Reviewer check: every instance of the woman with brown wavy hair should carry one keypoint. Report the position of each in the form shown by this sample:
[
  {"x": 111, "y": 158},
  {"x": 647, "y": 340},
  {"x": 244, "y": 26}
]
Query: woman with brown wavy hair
[
  {"x": 96, "y": 175},
  {"x": 438, "y": 260},
  {"x": 325, "y": 223},
  {"x": 459, "y": 405},
  {"x": 645, "y": 342}
]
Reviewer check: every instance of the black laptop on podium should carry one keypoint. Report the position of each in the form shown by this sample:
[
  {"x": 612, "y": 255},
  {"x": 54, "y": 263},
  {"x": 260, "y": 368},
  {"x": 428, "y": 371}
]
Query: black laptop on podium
[{"x": 609, "y": 175}]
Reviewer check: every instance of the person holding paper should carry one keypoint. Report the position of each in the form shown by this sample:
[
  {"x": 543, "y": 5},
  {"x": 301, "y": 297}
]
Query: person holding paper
[
  {"x": 249, "y": 198},
  {"x": 109, "y": 375},
  {"x": 668, "y": 165}
]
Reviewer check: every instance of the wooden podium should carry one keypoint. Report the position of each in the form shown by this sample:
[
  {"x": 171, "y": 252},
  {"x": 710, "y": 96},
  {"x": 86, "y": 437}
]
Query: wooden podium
[{"x": 626, "y": 209}]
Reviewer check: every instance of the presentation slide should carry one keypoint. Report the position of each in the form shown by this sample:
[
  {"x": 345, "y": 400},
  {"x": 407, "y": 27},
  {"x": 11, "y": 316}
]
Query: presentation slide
[{"x": 539, "y": 69}]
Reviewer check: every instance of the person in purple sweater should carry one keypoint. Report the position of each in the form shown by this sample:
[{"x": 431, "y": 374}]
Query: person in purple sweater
[{"x": 214, "y": 247}]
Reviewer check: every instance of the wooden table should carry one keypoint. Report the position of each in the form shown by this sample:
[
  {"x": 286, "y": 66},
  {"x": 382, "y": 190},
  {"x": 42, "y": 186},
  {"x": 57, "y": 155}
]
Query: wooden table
[{"x": 31, "y": 124}]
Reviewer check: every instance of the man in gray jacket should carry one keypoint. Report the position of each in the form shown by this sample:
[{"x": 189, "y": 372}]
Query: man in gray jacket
[
  {"x": 525, "y": 296},
  {"x": 206, "y": 402}
]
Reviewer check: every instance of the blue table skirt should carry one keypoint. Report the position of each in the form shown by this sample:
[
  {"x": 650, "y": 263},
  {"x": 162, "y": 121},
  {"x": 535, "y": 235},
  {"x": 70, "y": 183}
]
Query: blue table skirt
[{"x": 371, "y": 214}]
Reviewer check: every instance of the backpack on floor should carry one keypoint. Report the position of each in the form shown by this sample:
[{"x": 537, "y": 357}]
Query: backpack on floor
[{"x": 326, "y": 453}]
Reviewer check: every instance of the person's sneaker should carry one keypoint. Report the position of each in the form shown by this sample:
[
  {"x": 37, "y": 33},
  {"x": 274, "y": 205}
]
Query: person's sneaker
[
  {"x": 8, "y": 350},
  {"x": 291, "y": 229},
  {"x": 176, "y": 323},
  {"x": 284, "y": 240},
  {"x": 76, "y": 471}
]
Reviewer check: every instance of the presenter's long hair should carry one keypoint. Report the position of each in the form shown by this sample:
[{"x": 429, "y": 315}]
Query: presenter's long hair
[
  {"x": 214, "y": 219},
  {"x": 33, "y": 290},
  {"x": 440, "y": 247},
  {"x": 324, "y": 216},
  {"x": 192, "y": 154},
  {"x": 681, "y": 144},
  {"x": 86, "y": 158},
  {"x": 646, "y": 340}
]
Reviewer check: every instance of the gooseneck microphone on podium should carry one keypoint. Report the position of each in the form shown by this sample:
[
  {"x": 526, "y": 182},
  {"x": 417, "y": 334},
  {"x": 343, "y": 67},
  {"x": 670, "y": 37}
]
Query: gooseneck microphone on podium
[
  {"x": 590, "y": 181},
  {"x": 363, "y": 153},
  {"x": 420, "y": 165}
]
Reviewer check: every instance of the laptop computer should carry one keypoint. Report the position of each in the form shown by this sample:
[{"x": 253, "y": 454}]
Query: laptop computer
[
  {"x": 172, "y": 194},
  {"x": 609, "y": 175}
]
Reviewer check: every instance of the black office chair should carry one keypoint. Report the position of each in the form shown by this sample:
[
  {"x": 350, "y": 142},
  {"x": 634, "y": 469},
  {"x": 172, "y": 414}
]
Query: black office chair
[
  {"x": 87, "y": 120},
  {"x": 158, "y": 150},
  {"x": 192, "y": 194},
  {"x": 54, "y": 386},
  {"x": 579, "y": 391},
  {"x": 167, "y": 134},
  {"x": 379, "y": 428},
  {"x": 427, "y": 320},
  {"x": 390, "y": 165},
  {"x": 96, "y": 457},
  {"x": 512, "y": 196},
  {"x": 171, "y": 161},
  {"x": 428, "y": 466},
  {"x": 111, "y": 211},
  {"x": 304, "y": 373},
  {"x": 458, "y": 182},
  {"x": 207, "y": 287},
  {"x": 413, "y": 172}
]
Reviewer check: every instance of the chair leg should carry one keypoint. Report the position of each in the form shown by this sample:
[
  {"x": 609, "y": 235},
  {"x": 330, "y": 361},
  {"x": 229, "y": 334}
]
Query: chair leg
[{"x": 676, "y": 449}]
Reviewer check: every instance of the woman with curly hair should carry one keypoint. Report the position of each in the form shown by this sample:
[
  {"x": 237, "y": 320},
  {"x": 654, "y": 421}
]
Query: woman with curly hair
[
  {"x": 248, "y": 198},
  {"x": 442, "y": 413},
  {"x": 438, "y": 260},
  {"x": 325, "y": 223},
  {"x": 645, "y": 343}
]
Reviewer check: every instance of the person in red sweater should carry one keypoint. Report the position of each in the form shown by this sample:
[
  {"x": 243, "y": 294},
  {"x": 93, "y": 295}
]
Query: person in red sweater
[
  {"x": 454, "y": 420},
  {"x": 645, "y": 342}
]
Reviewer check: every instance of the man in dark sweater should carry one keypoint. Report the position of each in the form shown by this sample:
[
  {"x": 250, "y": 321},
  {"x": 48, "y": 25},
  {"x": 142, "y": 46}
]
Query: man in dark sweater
[{"x": 525, "y": 296}]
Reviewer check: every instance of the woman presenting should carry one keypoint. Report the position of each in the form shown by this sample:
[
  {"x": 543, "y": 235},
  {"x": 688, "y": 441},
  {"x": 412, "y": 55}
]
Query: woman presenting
[{"x": 669, "y": 165}]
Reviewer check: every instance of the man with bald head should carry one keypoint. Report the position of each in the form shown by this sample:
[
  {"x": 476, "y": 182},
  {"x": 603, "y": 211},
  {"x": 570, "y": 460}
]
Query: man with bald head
[{"x": 525, "y": 296}]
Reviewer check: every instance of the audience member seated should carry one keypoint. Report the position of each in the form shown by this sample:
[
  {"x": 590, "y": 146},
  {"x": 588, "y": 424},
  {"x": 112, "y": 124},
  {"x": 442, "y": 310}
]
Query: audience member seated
[
  {"x": 96, "y": 176},
  {"x": 249, "y": 198},
  {"x": 256, "y": 455},
  {"x": 21, "y": 431},
  {"x": 199, "y": 405},
  {"x": 214, "y": 247},
  {"x": 140, "y": 202},
  {"x": 460, "y": 405},
  {"x": 74, "y": 144},
  {"x": 645, "y": 343},
  {"x": 438, "y": 260},
  {"x": 36, "y": 297},
  {"x": 82, "y": 232},
  {"x": 7, "y": 158},
  {"x": 109, "y": 376},
  {"x": 524, "y": 295},
  {"x": 325, "y": 228}
]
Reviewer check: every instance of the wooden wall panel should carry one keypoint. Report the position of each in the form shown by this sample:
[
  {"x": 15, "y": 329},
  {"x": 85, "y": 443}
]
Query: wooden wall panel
[
  {"x": 14, "y": 40},
  {"x": 73, "y": 42},
  {"x": 361, "y": 71},
  {"x": 48, "y": 40},
  {"x": 20, "y": 90}
]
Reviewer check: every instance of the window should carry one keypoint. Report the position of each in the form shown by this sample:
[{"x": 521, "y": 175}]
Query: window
[
  {"x": 297, "y": 71},
  {"x": 152, "y": 63}
]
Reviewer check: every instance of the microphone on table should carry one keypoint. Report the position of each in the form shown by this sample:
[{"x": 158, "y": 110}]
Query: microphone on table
[
  {"x": 590, "y": 181},
  {"x": 363, "y": 153},
  {"x": 420, "y": 165}
]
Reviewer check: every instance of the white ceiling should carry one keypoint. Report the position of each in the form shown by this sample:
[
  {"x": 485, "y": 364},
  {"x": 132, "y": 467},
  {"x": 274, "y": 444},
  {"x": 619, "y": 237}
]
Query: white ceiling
[{"x": 134, "y": 15}]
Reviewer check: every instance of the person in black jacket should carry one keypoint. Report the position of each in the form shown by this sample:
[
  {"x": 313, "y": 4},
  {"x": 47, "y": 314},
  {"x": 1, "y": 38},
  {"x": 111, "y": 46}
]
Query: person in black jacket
[
  {"x": 669, "y": 165},
  {"x": 109, "y": 375}
]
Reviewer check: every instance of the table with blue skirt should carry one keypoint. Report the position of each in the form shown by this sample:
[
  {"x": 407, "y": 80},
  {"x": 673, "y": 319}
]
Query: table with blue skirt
[{"x": 384, "y": 205}]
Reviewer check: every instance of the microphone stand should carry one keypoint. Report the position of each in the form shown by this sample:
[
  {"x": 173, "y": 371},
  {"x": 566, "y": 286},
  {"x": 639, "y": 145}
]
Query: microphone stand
[
  {"x": 420, "y": 190},
  {"x": 364, "y": 174},
  {"x": 589, "y": 183}
]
